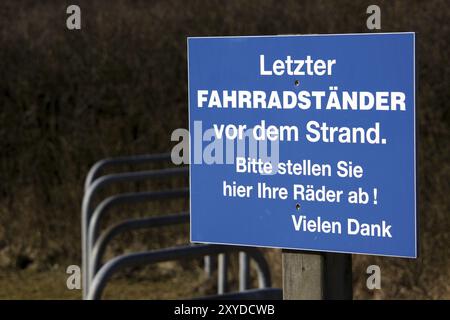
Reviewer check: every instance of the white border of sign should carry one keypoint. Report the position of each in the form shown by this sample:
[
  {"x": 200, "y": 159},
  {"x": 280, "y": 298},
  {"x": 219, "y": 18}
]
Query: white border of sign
[{"x": 415, "y": 142}]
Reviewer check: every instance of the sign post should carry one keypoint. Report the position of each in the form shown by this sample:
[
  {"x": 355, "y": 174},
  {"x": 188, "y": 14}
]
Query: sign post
[
  {"x": 305, "y": 143},
  {"x": 303, "y": 276},
  {"x": 314, "y": 276}
]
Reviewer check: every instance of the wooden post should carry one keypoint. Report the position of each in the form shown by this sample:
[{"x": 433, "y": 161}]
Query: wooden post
[
  {"x": 316, "y": 276},
  {"x": 302, "y": 275}
]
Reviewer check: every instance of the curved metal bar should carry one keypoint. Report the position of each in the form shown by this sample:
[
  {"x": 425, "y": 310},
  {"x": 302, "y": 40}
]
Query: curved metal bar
[
  {"x": 104, "y": 181},
  {"x": 109, "y": 179},
  {"x": 89, "y": 222},
  {"x": 140, "y": 258},
  {"x": 128, "y": 176},
  {"x": 244, "y": 273},
  {"x": 128, "y": 225},
  {"x": 125, "y": 198},
  {"x": 209, "y": 263},
  {"x": 222, "y": 273},
  {"x": 100, "y": 165}
]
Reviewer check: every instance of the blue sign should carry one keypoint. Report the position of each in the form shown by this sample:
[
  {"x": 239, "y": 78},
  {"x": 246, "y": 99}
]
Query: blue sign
[{"x": 304, "y": 142}]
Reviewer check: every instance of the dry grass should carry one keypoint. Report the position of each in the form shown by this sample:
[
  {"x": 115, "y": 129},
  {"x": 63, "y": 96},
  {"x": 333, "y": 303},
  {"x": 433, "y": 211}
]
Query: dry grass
[{"x": 119, "y": 87}]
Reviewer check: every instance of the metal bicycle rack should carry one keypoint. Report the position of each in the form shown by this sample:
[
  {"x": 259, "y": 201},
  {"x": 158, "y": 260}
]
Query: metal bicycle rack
[
  {"x": 133, "y": 224},
  {"x": 190, "y": 251},
  {"x": 95, "y": 276}
]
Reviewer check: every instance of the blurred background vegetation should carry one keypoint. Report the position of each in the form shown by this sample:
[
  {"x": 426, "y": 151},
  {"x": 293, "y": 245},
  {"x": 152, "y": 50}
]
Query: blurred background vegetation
[{"x": 119, "y": 87}]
